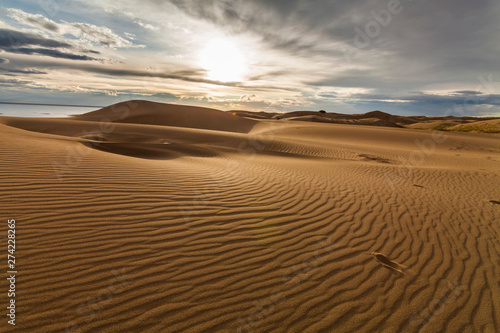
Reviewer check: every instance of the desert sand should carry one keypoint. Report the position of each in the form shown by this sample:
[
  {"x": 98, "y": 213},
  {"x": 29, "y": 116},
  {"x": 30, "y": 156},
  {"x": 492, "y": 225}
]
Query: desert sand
[
  {"x": 144, "y": 217},
  {"x": 379, "y": 118}
]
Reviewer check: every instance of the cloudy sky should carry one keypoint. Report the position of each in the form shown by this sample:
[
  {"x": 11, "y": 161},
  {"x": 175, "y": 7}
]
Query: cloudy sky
[{"x": 404, "y": 57}]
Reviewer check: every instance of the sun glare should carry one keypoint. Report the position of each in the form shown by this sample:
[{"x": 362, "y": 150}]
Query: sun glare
[{"x": 223, "y": 61}]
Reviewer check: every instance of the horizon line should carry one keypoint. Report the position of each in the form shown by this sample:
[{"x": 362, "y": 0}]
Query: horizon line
[{"x": 53, "y": 104}]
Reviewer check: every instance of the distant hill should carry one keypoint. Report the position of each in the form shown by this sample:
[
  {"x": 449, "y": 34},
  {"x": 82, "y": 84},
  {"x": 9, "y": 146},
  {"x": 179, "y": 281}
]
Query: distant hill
[
  {"x": 152, "y": 113},
  {"x": 241, "y": 121},
  {"x": 484, "y": 126},
  {"x": 379, "y": 118}
]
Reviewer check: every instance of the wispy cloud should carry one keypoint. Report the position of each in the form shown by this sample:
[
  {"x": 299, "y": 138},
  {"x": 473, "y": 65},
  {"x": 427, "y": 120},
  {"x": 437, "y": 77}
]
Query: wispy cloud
[
  {"x": 449, "y": 98},
  {"x": 99, "y": 35},
  {"x": 7, "y": 82},
  {"x": 96, "y": 34},
  {"x": 49, "y": 52},
  {"x": 446, "y": 42},
  {"x": 425, "y": 57},
  {"x": 35, "y": 20},
  {"x": 22, "y": 71},
  {"x": 15, "y": 41},
  {"x": 146, "y": 25},
  {"x": 194, "y": 76}
]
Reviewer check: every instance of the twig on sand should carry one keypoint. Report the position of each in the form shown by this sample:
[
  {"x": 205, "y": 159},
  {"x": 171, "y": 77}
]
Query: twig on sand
[{"x": 386, "y": 262}]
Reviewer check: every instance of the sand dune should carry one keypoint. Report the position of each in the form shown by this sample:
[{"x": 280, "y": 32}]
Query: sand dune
[
  {"x": 146, "y": 112},
  {"x": 179, "y": 219},
  {"x": 379, "y": 118},
  {"x": 486, "y": 126}
]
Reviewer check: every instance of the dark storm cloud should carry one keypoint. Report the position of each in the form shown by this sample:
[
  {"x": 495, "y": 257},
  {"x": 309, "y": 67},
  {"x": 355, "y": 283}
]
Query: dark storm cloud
[
  {"x": 352, "y": 78},
  {"x": 48, "y": 52},
  {"x": 36, "y": 20},
  {"x": 10, "y": 39},
  {"x": 454, "y": 96},
  {"x": 185, "y": 75},
  {"x": 21, "y": 71},
  {"x": 91, "y": 51},
  {"x": 293, "y": 25},
  {"x": 93, "y": 33},
  {"x": 464, "y": 103},
  {"x": 13, "y": 82},
  {"x": 193, "y": 75},
  {"x": 15, "y": 41},
  {"x": 453, "y": 21},
  {"x": 270, "y": 74},
  {"x": 43, "y": 23},
  {"x": 330, "y": 94},
  {"x": 467, "y": 92}
]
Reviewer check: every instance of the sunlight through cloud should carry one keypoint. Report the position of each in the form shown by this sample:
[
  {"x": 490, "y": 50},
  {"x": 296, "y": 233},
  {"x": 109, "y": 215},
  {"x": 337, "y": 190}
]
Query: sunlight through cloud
[{"x": 223, "y": 60}]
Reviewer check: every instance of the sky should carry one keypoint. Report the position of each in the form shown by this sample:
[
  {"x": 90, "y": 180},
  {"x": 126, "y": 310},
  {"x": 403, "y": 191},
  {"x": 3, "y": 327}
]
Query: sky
[{"x": 407, "y": 57}]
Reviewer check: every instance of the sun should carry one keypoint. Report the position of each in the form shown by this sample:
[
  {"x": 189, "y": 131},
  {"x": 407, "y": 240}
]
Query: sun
[{"x": 223, "y": 60}]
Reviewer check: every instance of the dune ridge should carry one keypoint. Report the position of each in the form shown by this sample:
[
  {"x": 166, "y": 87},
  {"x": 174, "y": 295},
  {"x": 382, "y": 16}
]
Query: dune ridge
[
  {"x": 383, "y": 119},
  {"x": 153, "y": 113},
  {"x": 257, "y": 226}
]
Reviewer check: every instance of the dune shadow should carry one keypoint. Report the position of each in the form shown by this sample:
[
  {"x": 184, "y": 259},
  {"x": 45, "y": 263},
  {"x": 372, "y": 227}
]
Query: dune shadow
[{"x": 152, "y": 151}]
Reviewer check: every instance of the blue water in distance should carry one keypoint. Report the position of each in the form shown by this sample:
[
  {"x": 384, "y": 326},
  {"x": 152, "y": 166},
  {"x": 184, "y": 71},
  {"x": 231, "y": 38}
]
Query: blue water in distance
[{"x": 45, "y": 111}]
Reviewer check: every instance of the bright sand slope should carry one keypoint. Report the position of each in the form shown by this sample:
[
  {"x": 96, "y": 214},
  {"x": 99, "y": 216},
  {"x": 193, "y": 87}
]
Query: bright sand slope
[{"x": 188, "y": 229}]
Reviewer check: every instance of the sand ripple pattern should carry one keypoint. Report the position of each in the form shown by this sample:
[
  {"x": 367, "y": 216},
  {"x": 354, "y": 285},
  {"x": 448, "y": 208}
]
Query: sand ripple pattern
[{"x": 277, "y": 241}]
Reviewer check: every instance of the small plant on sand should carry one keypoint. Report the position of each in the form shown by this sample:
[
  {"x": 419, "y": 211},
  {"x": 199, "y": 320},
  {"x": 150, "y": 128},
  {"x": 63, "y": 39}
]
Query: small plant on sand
[{"x": 441, "y": 128}]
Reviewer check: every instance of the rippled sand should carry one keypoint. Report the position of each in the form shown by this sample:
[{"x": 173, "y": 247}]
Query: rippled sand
[{"x": 146, "y": 217}]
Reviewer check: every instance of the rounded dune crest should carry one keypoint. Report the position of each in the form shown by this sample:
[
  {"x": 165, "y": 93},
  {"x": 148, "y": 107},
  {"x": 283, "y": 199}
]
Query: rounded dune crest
[{"x": 153, "y": 113}]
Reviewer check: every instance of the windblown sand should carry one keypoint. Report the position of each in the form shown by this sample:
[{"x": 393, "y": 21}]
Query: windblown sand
[{"x": 150, "y": 218}]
